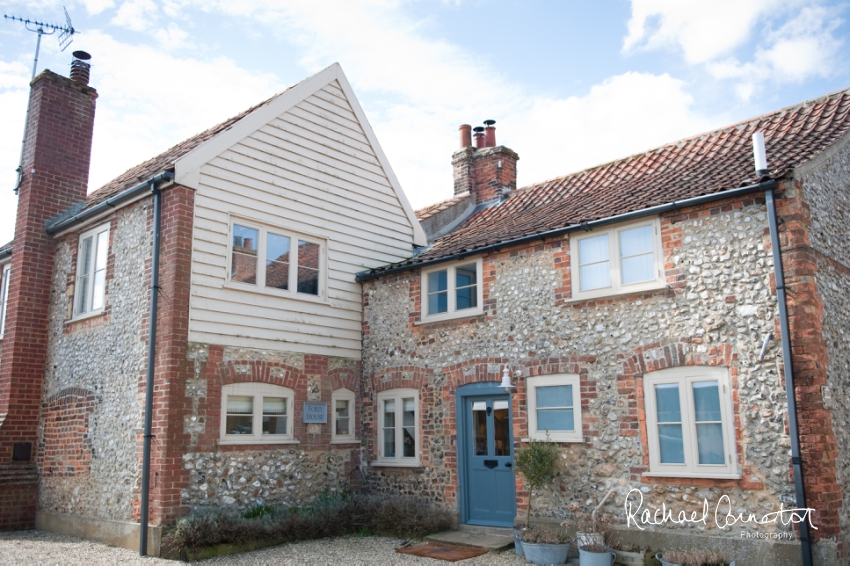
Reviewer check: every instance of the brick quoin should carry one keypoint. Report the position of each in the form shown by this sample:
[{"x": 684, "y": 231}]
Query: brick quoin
[{"x": 56, "y": 155}]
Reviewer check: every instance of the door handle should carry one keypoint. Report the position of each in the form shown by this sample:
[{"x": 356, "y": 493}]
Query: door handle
[
  {"x": 491, "y": 463},
  {"x": 509, "y": 464}
]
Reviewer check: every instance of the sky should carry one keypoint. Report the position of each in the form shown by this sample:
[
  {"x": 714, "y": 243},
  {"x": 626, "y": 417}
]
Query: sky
[{"x": 570, "y": 83}]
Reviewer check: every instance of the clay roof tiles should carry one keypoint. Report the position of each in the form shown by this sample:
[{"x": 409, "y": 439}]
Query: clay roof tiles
[{"x": 704, "y": 164}]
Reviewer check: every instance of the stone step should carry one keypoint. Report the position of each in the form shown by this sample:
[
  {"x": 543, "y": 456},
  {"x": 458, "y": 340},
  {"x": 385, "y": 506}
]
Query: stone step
[
  {"x": 470, "y": 538},
  {"x": 501, "y": 531}
]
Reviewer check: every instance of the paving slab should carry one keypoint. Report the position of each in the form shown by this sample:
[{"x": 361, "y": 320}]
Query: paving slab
[{"x": 467, "y": 538}]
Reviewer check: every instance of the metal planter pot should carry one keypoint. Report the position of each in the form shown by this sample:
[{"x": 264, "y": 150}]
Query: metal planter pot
[
  {"x": 587, "y": 558},
  {"x": 518, "y": 542},
  {"x": 539, "y": 553}
]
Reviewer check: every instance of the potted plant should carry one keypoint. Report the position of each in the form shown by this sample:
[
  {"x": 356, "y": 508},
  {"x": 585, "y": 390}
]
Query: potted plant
[
  {"x": 536, "y": 463},
  {"x": 546, "y": 545},
  {"x": 693, "y": 557},
  {"x": 591, "y": 527},
  {"x": 629, "y": 554}
]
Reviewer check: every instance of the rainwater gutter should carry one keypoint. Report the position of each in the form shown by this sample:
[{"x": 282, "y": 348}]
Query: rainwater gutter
[
  {"x": 793, "y": 430},
  {"x": 146, "y": 455},
  {"x": 369, "y": 274}
]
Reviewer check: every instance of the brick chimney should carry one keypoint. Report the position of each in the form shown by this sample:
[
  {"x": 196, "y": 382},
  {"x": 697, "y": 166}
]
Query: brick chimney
[
  {"x": 55, "y": 169},
  {"x": 485, "y": 170}
]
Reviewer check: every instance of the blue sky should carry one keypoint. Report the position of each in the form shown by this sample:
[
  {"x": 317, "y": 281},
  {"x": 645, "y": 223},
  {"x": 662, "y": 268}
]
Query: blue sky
[{"x": 570, "y": 83}]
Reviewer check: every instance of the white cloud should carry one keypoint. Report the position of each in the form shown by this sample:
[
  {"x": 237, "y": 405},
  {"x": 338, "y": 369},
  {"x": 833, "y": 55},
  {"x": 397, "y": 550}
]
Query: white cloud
[
  {"x": 94, "y": 7},
  {"x": 622, "y": 116},
  {"x": 802, "y": 48},
  {"x": 137, "y": 15},
  {"x": 172, "y": 37},
  {"x": 702, "y": 30},
  {"x": 707, "y": 33}
]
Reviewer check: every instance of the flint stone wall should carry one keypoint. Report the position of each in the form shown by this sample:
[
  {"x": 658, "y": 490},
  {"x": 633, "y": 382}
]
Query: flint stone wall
[
  {"x": 105, "y": 358},
  {"x": 719, "y": 315}
]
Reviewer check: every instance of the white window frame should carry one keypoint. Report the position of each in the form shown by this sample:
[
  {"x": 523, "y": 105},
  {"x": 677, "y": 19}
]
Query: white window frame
[
  {"x": 571, "y": 379},
  {"x": 258, "y": 391},
  {"x": 398, "y": 461},
  {"x": 616, "y": 287},
  {"x": 94, "y": 234},
  {"x": 343, "y": 395},
  {"x": 260, "y": 286},
  {"x": 685, "y": 377},
  {"x": 451, "y": 288},
  {"x": 5, "y": 273}
]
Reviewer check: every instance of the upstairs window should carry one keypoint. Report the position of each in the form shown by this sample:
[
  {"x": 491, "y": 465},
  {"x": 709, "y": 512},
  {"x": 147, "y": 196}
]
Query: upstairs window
[
  {"x": 623, "y": 259},
  {"x": 452, "y": 290},
  {"x": 5, "y": 272},
  {"x": 90, "y": 290},
  {"x": 256, "y": 413},
  {"x": 689, "y": 423},
  {"x": 278, "y": 260}
]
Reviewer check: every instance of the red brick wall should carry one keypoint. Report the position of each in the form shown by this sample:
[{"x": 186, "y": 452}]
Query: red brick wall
[
  {"x": 65, "y": 449},
  {"x": 57, "y": 148},
  {"x": 18, "y": 496},
  {"x": 479, "y": 172}
]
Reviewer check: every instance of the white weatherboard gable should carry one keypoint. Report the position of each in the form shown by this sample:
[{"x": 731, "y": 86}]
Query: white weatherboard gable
[{"x": 188, "y": 168}]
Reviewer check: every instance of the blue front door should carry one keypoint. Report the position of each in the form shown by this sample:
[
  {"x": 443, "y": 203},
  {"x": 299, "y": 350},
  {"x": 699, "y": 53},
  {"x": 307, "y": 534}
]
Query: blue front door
[{"x": 490, "y": 486}]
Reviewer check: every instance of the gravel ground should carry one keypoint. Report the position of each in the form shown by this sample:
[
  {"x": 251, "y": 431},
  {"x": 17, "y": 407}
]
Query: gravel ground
[{"x": 42, "y": 549}]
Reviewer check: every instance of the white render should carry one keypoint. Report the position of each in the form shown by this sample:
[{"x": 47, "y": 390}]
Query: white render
[{"x": 306, "y": 162}]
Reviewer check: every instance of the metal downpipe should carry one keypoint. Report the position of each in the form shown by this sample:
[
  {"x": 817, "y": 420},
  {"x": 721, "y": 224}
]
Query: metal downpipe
[
  {"x": 805, "y": 539},
  {"x": 146, "y": 458}
]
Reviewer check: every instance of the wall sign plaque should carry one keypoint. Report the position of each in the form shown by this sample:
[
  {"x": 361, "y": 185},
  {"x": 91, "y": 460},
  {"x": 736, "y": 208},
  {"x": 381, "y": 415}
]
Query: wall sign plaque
[{"x": 315, "y": 413}]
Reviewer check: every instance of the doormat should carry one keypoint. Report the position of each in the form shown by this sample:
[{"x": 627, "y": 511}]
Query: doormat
[{"x": 449, "y": 553}]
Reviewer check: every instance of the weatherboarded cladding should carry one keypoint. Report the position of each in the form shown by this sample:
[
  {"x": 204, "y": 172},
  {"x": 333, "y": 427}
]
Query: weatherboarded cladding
[{"x": 310, "y": 171}]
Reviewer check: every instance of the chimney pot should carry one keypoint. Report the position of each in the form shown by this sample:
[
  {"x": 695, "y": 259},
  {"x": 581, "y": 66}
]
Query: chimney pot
[
  {"x": 80, "y": 70},
  {"x": 479, "y": 137},
  {"x": 465, "y": 136},
  {"x": 489, "y": 133}
]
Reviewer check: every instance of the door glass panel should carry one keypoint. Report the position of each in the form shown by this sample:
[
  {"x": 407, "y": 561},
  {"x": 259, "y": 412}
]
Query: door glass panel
[
  {"x": 501, "y": 423},
  {"x": 479, "y": 427}
]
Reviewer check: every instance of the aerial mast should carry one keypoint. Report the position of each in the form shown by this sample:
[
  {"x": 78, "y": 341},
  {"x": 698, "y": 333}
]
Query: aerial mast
[{"x": 66, "y": 36}]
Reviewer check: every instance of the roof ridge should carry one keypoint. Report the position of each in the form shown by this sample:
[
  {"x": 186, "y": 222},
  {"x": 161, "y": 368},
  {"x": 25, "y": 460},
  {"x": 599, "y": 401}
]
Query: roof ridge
[{"x": 697, "y": 137}]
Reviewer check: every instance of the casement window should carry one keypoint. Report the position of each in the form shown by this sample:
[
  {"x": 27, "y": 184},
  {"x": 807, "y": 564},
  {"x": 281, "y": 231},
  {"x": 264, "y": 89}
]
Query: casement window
[
  {"x": 554, "y": 406},
  {"x": 452, "y": 290},
  {"x": 256, "y": 413},
  {"x": 342, "y": 401},
  {"x": 689, "y": 423},
  {"x": 398, "y": 427},
  {"x": 622, "y": 259},
  {"x": 5, "y": 272},
  {"x": 264, "y": 257},
  {"x": 90, "y": 289}
]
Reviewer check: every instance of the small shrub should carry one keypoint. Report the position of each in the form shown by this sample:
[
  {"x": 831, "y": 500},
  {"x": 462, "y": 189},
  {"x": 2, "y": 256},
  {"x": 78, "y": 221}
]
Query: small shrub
[
  {"x": 331, "y": 515},
  {"x": 536, "y": 462},
  {"x": 545, "y": 535},
  {"x": 696, "y": 557},
  {"x": 258, "y": 512}
]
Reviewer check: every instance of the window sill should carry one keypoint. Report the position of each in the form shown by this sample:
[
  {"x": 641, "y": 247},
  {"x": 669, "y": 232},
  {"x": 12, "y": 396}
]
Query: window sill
[
  {"x": 608, "y": 293},
  {"x": 555, "y": 439},
  {"x": 690, "y": 476},
  {"x": 416, "y": 464},
  {"x": 232, "y": 442},
  {"x": 88, "y": 315},
  {"x": 352, "y": 441},
  {"x": 465, "y": 313},
  {"x": 279, "y": 294}
]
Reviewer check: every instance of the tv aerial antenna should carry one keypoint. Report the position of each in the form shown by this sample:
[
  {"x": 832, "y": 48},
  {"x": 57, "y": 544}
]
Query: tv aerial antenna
[{"x": 66, "y": 33}]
